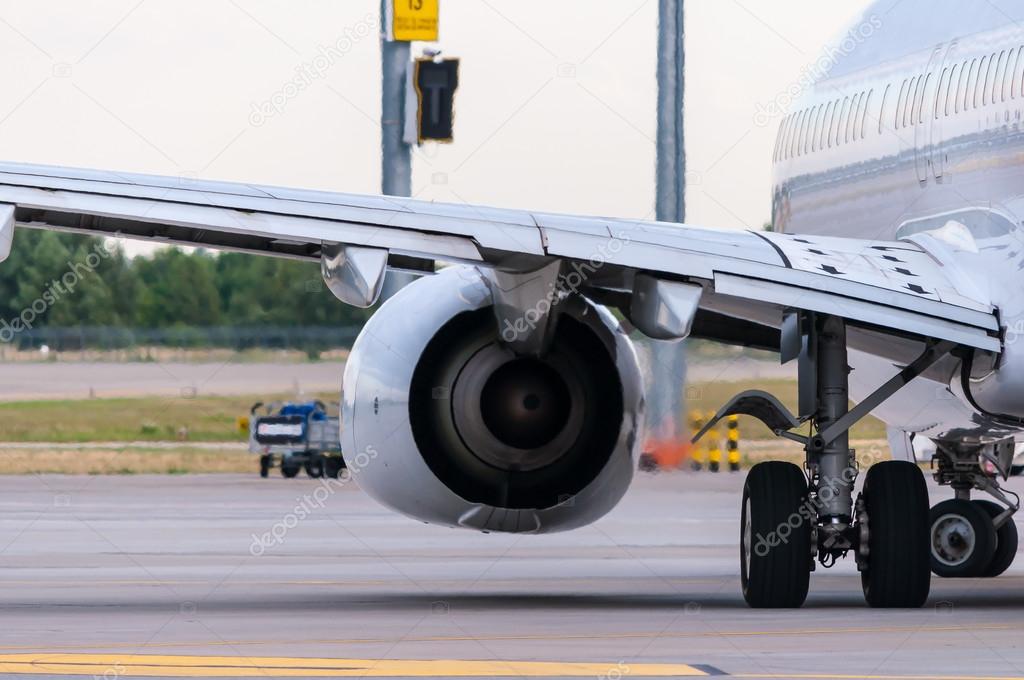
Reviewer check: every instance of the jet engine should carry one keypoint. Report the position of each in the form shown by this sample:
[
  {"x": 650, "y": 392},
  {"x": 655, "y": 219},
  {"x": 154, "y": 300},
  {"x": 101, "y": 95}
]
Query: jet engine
[{"x": 446, "y": 424}]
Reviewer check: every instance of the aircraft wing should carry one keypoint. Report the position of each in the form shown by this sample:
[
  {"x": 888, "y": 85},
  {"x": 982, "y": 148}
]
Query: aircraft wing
[{"x": 747, "y": 277}]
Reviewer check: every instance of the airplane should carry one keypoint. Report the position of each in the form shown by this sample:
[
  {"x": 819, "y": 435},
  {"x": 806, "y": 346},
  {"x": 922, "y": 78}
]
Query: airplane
[{"x": 499, "y": 393}]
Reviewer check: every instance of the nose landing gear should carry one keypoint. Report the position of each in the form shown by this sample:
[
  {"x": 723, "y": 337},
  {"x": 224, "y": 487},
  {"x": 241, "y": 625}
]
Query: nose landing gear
[{"x": 973, "y": 538}]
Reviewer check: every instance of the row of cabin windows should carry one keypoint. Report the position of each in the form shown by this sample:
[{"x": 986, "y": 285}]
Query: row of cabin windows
[
  {"x": 824, "y": 126},
  {"x": 974, "y": 83}
]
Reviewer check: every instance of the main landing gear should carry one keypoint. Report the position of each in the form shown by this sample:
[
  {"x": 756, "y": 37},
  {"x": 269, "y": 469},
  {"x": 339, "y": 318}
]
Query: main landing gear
[
  {"x": 973, "y": 538},
  {"x": 794, "y": 518}
]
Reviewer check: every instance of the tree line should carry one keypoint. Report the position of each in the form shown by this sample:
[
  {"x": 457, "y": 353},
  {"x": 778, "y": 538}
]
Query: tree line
[{"x": 57, "y": 280}]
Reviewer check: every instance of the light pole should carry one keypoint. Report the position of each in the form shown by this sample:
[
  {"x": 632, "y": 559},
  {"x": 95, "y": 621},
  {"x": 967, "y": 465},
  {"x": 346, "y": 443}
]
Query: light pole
[
  {"x": 396, "y": 154},
  {"x": 665, "y": 400}
]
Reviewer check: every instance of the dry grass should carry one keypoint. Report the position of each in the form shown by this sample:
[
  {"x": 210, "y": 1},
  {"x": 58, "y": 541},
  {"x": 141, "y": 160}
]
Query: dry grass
[
  {"x": 201, "y": 418},
  {"x": 709, "y": 397},
  {"x": 126, "y": 461},
  {"x": 170, "y": 354}
]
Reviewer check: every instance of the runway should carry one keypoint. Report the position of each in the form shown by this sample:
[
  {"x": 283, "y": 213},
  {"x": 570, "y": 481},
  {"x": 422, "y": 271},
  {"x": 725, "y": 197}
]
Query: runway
[
  {"x": 83, "y": 380},
  {"x": 21, "y": 381},
  {"x": 233, "y": 576}
]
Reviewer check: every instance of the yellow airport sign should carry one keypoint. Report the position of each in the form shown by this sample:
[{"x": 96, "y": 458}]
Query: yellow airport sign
[{"x": 414, "y": 20}]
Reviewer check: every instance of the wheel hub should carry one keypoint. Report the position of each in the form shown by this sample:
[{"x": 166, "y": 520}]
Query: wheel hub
[{"x": 953, "y": 540}]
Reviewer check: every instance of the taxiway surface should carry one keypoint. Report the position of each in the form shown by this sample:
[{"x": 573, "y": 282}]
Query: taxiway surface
[{"x": 232, "y": 575}]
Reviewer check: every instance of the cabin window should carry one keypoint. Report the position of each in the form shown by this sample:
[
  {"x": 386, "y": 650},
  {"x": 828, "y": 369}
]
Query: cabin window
[
  {"x": 998, "y": 77},
  {"x": 825, "y": 123},
  {"x": 954, "y": 79},
  {"x": 851, "y": 124},
  {"x": 789, "y": 136},
  {"x": 808, "y": 130},
  {"x": 981, "y": 82},
  {"x": 961, "y": 87},
  {"x": 841, "y": 121},
  {"x": 941, "y": 94},
  {"x": 819, "y": 120},
  {"x": 791, "y": 142},
  {"x": 1011, "y": 73},
  {"x": 970, "y": 96},
  {"x": 782, "y": 135},
  {"x": 1017, "y": 86},
  {"x": 805, "y": 134},
  {"x": 864, "y": 115},
  {"x": 900, "y": 105},
  {"x": 830, "y": 129},
  {"x": 882, "y": 110},
  {"x": 1007, "y": 76},
  {"x": 908, "y": 106},
  {"x": 796, "y": 136},
  {"x": 925, "y": 89}
]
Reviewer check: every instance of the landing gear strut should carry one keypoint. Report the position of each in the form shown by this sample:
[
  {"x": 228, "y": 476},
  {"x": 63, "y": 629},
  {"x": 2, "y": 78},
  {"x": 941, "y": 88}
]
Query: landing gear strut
[{"x": 792, "y": 518}]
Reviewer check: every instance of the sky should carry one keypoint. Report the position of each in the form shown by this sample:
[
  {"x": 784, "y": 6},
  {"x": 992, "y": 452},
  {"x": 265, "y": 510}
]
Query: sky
[{"x": 555, "y": 112}]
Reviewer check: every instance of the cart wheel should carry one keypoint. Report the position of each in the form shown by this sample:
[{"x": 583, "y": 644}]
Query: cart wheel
[
  {"x": 265, "y": 463},
  {"x": 335, "y": 464},
  {"x": 315, "y": 466},
  {"x": 289, "y": 469}
]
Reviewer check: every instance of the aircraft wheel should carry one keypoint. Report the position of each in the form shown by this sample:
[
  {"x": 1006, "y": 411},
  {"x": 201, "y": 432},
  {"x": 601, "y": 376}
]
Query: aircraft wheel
[
  {"x": 1006, "y": 541},
  {"x": 335, "y": 464},
  {"x": 896, "y": 572},
  {"x": 315, "y": 467},
  {"x": 963, "y": 539},
  {"x": 775, "y": 537}
]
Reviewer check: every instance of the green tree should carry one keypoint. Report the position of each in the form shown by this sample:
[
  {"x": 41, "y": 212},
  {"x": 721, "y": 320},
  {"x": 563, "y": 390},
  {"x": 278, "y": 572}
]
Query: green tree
[{"x": 179, "y": 289}]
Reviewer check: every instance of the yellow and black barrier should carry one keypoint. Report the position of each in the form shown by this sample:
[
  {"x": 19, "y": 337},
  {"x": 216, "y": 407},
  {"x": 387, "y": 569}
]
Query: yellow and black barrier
[
  {"x": 714, "y": 445},
  {"x": 697, "y": 455},
  {"x": 732, "y": 443},
  {"x": 708, "y": 451}
]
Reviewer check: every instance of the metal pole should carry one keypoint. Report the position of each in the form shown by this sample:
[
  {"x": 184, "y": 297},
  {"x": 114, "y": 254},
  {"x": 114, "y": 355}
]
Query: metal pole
[
  {"x": 668, "y": 360},
  {"x": 671, "y": 175},
  {"x": 396, "y": 155}
]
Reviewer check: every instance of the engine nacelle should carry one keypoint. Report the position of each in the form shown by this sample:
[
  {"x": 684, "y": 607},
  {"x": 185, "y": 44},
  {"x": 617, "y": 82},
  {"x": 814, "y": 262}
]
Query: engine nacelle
[{"x": 443, "y": 423}]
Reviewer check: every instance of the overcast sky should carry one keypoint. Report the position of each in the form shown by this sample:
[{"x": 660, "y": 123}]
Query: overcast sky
[{"x": 556, "y": 109}]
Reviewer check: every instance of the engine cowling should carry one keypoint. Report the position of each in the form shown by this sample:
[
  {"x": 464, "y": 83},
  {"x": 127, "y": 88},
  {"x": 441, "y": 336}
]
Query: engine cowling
[{"x": 443, "y": 423}]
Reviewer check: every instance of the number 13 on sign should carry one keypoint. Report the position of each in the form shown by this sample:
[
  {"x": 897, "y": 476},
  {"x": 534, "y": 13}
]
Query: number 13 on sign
[{"x": 410, "y": 20}]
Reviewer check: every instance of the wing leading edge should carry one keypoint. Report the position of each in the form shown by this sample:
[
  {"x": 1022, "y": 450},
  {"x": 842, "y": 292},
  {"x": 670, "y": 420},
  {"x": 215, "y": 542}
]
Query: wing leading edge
[{"x": 894, "y": 287}]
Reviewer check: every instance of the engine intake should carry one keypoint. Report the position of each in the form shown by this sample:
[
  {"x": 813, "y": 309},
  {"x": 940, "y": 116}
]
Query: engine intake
[{"x": 444, "y": 423}]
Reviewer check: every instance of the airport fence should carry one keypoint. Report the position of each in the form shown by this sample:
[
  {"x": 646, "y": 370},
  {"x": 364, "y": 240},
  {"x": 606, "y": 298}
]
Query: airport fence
[{"x": 304, "y": 338}]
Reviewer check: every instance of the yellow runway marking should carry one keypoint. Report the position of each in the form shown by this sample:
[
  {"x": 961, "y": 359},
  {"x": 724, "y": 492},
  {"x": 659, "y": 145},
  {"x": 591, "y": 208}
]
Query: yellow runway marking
[
  {"x": 522, "y": 638},
  {"x": 233, "y": 667},
  {"x": 798, "y": 676}
]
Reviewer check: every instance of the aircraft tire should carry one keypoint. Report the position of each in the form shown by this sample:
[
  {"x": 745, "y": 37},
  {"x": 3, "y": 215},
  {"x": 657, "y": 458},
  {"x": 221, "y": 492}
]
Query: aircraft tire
[
  {"x": 897, "y": 571},
  {"x": 962, "y": 539},
  {"x": 775, "y": 538},
  {"x": 316, "y": 466},
  {"x": 1006, "y": 541}
]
